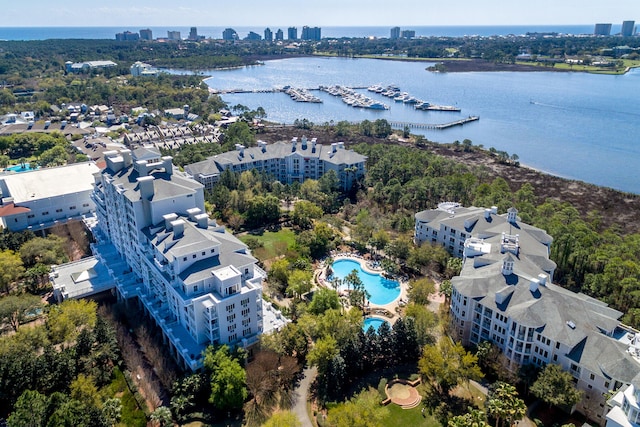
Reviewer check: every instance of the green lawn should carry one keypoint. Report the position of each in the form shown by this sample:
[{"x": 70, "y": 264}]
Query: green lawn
[
  {"x": 131, "y": 414},
  {"x": 409, "y": 417},
  {"x": 273, "y": 243}
]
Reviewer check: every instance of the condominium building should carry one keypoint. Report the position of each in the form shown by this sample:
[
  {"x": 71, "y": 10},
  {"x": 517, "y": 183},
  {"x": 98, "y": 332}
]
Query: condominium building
[
  {"x": 229, "y": 34},
  {"x": 31, "y": 200},
  {"x": 146, "y": 34},
  {"x": 602, "y": 29},
  {"x": 174, "y": 35},
  {"x": 395, "y": 33},
  {"x": 199, "y": 283},
  {"x": 287, "y": 162},
  {"x": 279, "y": 35},
  {"x": 505, "y": 295},
  {"x": 292, "y": 33},
  {"x": 628, "y": 28},
  {"x": 311, "y": 33},
  {"x": 268, "y": 35}
]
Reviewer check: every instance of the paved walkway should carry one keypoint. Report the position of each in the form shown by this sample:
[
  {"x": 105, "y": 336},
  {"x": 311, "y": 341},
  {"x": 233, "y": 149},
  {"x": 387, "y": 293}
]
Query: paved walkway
[{"x": 301, "y": 395}]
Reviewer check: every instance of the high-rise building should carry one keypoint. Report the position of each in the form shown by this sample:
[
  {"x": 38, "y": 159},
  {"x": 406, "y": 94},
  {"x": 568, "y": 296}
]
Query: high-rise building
[
  {"x": 229, "y": 34},
  {"x": 627, "y": 28},
  {"x": 252, "y": 36},
  {"x": 311, "y": 33},
  {"x": 200, "y": 284},
  {"x": 193, "y": 34},
  {"x": 146, "y": 34},
  {"x": 127, "y": 36},
  {"x": 268, "y": 35},
  {"x": 602, "y": 30},
  {"x": 174, "y": 35},
  {"x": 395, "y": 33},
  {"x": 408, "y": 34},
  {"x": 292, "y": 33},
  {"x": 279, "y": 35}
]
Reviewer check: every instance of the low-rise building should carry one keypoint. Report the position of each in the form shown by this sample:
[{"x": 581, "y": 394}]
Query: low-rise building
[
  {"x": 505, "y": 295},
  {"x": 42, "y": 198},
  {"x": 79, "y": 67},
  {"x": 287, "y": 162}
]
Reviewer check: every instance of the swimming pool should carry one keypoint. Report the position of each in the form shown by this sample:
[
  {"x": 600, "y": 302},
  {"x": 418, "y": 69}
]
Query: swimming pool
[
  {"x": 382, "y": 291},
  {"x": 373, "y": 322},
  {"x": 20, "y": 168}
]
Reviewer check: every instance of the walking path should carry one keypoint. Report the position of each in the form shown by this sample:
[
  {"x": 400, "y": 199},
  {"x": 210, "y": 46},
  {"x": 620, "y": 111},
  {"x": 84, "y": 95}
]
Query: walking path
[{"x": 301, "y": 396}]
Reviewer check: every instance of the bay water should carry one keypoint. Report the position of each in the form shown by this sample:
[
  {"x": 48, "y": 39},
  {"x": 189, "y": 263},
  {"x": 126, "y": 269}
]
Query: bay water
[{"x": 576, "y": 125}]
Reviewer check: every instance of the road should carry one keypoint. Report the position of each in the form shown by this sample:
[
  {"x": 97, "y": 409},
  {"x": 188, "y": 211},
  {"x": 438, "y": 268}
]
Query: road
[{"x": 301, "y": 395}]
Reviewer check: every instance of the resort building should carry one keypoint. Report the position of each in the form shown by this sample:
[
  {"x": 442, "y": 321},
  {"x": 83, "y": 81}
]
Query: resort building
[
  {"x": 505, "y": 295},
  {"x": 81, "y": 67},
  {"x": 141, "y": 69},
  {"x": 45, "y": 197},
  {"x": 146, "y": 34},
  {"x": 628, "y": 28},
  {"x": 625, "y": 407},
  {"x": 287, "y": 162},
  {"x": 199, "y": 283}
]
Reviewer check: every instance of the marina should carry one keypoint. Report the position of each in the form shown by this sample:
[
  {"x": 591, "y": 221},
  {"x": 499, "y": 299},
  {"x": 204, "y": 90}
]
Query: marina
[
  {"x": 354, "y": 99},
  {"x": 561, "y": 133}
]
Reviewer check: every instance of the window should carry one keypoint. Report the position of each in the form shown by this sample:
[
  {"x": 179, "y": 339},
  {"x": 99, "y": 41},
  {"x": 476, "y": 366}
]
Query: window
[
  {"x": 85, "y": 205},
  {"x": 194, "y": 256},
  {"x": 31, "y": 216},
  {"x": 231, "y": 318},
  {"x": 592, "y": 377},
  {"x": 45, "y": 213},
  {"x": 195, "y": 288},
  {"x": 72, "y": 208},
  {"x": 230, "y": 308},
  {"x": 184, "y": 259},
  {"x": 58, "y": 210}
]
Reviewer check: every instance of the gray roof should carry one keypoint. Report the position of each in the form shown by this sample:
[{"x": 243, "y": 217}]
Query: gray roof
[{"x": 278, "y": 150}]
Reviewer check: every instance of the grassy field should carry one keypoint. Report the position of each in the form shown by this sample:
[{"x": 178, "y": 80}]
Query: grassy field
[
  {"x": 628, "y": 64},
  {"x": 409, "y": 417},
  {"x": 131, "y": 414},
  {"x": 274, "y": 244}
]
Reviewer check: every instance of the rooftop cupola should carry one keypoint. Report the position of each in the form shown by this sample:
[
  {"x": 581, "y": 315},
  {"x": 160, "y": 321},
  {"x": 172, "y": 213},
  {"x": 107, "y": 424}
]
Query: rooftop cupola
[
  {"x": 507, "y": 265},
  {"x": 512, "y": 215}
]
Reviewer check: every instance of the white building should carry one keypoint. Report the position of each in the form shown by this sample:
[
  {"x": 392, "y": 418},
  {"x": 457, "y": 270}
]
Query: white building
[
  {"x": 625, "y": 411},
  {"x": 141, "y": 69},
  {"x": 41, "y": 198},
  {"x": 287, "y": 162},
  {"x": 199, "y": 283},
  {"x": 505, "y": 295}
]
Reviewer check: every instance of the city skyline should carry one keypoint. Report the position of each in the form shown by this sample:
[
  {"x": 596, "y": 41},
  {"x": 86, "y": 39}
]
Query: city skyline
[{"x": 74, "y": 13}]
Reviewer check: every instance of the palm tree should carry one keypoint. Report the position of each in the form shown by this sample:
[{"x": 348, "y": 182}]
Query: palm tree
[{"x": 162, "y": 416}]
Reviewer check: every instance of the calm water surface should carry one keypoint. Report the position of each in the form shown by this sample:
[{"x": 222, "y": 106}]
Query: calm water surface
[{"x": 576, "y": 125}]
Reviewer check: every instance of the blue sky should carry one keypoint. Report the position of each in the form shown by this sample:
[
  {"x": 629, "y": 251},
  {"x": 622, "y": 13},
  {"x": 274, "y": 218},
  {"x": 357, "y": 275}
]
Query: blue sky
[{"x": 69, "y": 13}]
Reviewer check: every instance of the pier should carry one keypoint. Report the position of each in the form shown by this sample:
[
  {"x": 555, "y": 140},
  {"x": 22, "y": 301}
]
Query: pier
[
  {"x": 274, "y": 90},
  {"x": 441, "y": 126}
]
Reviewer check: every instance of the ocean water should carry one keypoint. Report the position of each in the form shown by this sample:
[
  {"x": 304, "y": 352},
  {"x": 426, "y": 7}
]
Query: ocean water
[
  {"x": 576, "y": 125},
  {"x": 43, "y": 33}
]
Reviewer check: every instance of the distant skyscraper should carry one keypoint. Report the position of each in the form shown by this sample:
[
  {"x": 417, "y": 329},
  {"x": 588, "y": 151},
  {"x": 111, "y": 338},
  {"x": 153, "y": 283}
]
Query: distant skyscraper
[
  {"x": 229, "y": 34},
  {"x": 279, "y": 35},
  {"x": 174, "y": 35},
  {"x": 311, "y": 33},
  {"x": 253, "y": 36},
  {"x": 602, "y": 30},
  {"x": 193, "y": 34},
  {"x": 408, "y": 34},
  {"x": 395, "y": 33},
  {"x": 292, "y": 33},
  {"x": 127, "y": 36},
  {"x": 146, "y": 34},
  {"x": 268, "y": 35},
  {"x": 627, "y": 28}
]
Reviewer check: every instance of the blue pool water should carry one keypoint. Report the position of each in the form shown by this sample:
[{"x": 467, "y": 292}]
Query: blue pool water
[
  {"x": 373, "y": 322},
  {"x": 382, "y": 291},
  {"x": 19, "y": 168}
]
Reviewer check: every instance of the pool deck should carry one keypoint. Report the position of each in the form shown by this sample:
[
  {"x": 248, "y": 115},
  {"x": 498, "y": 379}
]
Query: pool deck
[{"x": 385, "y": 311}]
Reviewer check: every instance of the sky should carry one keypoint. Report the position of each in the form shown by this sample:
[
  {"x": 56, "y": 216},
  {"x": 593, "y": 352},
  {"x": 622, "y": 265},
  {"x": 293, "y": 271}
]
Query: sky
[{"x": 122, "y": 13}]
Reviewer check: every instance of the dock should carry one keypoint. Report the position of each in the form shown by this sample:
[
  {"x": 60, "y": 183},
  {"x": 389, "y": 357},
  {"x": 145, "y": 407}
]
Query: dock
[
  {"x": 273, "y": 90},
  {"x": 440, "y": 126}
]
